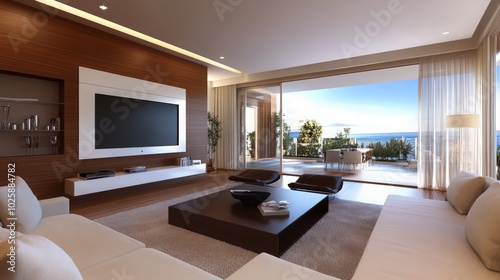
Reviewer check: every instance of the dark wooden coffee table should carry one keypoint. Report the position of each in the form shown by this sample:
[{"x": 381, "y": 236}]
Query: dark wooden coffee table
[{"x": 222, "y": 217}]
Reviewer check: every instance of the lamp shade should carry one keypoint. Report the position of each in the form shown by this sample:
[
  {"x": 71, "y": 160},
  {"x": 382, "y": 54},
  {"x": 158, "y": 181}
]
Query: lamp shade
[{"x": 463, "y": 121}]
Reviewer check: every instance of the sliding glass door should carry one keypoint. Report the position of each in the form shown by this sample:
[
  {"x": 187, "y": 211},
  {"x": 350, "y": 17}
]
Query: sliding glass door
[
  {"x": 289, "y": 126},
  {"x": 259, "y": 122}
]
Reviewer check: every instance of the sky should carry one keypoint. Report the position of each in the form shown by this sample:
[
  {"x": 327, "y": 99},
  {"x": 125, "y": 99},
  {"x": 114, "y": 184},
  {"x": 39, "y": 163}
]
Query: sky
[{"x": 371, "y": 108}]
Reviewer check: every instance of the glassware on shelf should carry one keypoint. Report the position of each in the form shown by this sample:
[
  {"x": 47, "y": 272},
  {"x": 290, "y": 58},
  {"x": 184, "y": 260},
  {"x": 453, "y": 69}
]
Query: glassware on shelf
[
  {"x": 54, "y": 142},
  {"x": 34, "y": 122},
  {"x": 35, "y": 143},
  {"x": 31, "y": 144},
  {"x": 27, "y": 123},
  {"x": 4, "y": 117},
  {"x": 27, "y": 140}
]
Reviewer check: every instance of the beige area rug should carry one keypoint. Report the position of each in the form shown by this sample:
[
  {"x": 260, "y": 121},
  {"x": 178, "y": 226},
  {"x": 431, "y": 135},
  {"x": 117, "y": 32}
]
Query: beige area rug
[{"x": 333, "y": 246}]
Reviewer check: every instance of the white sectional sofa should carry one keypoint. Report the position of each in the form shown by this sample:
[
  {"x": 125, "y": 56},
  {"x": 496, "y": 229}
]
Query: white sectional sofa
[
  {"x": 413, "y": 239},
  {"x": 44, "y": 241},
  {"x": 458, "y": 239}
]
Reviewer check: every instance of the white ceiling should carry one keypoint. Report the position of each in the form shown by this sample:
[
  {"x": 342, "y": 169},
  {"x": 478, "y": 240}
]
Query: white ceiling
[{"x": 261, "y": 35}]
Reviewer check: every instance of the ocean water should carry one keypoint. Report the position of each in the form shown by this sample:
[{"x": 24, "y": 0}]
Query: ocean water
[
  {"x": 367, "y": 138},
  {"x": 384, "y": 137}
]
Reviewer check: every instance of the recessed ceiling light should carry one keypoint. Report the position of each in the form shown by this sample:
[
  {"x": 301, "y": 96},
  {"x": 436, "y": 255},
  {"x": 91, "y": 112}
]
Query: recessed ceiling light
[
  {"x": 221, "y": 57},
  {"x": 446, "y": 32},
  {"x": 103, "y": 7}
]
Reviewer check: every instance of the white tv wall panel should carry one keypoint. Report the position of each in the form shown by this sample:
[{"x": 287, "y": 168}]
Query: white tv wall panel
[{"x": 92, "y": 82}]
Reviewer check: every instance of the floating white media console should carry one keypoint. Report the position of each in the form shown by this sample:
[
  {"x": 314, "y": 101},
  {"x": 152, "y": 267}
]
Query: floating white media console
[{"x": 77, "y": 186}]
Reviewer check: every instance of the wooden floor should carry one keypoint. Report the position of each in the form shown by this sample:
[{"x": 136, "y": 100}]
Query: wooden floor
[{"x": 99, "y": 205}]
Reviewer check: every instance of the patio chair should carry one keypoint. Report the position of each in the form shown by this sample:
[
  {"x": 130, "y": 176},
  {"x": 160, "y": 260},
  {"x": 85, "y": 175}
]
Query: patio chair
[
  {"x": 368, "y": 158},
  {"x": 333, "y": 156},
  {"x": 412, "y": 161},
  {"x": 353, "y": 158}
]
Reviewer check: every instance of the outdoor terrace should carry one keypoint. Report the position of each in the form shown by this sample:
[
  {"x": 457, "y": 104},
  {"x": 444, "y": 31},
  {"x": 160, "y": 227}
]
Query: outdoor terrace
[{"x": 396, "y": 173}]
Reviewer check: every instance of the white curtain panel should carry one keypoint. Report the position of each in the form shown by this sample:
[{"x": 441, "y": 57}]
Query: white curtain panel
[
  {"x": 224, "y": 106},
  {"x": 447, "y": 86},
  {"x": 486, "y": 58}
]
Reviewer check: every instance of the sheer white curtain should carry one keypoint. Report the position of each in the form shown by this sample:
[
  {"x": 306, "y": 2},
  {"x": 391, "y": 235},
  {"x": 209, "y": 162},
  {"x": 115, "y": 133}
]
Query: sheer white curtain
[
  {"x": 224, "y": 106},
  {"x": 447, "y": 86},
  {"x": 486, "y": 58}
]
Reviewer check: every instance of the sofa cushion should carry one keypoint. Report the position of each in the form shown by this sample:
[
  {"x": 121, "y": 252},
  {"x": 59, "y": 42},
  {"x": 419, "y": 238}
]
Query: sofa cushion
[
  {"x": 148, "y": 264},
  {"x": 36, "y": 258},
  {"x": 27, "y": 209},
  {"x": 488, "y": 181},
  {"x": 54, "y": 206},
  {"x": 87, "y": 242},
  {"x": 4, "y": 234},
  {"x": 463, "y": 190},
  {"x": 265, "y": 266},
  {"x": 417, "y": 238},
  {"x": 482, "y": 227}
]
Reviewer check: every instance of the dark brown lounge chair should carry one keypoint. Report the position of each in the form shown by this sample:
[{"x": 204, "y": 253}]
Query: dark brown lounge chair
[
  {"x": 318, "y": 183},
  {"x": 256, "y": 176}
]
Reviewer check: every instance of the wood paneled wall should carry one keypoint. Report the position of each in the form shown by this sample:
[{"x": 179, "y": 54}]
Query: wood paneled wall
[
  {"x": 40, "y": 43},
  {"x": 266, "y": 144}
]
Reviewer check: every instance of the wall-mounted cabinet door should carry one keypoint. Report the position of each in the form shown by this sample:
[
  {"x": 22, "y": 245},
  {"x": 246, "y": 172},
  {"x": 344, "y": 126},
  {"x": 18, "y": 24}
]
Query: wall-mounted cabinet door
[{"x": 31, "y": 110}]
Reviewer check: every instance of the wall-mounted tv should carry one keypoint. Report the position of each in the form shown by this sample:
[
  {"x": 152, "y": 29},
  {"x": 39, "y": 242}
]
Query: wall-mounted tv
[{"x": 122, "y": 116}]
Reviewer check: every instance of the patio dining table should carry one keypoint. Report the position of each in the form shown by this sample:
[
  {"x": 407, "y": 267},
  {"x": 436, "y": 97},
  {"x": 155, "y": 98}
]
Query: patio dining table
[
  {"x": 364, "y": 151},
  {"x": 367, "y": 153}
]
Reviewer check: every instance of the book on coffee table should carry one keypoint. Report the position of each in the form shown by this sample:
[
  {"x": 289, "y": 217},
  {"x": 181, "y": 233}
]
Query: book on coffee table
[{"x": 271, "y": 211}]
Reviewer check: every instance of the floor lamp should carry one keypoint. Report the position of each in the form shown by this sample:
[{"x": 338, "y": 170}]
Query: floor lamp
[{"x": 462, "y": 121}]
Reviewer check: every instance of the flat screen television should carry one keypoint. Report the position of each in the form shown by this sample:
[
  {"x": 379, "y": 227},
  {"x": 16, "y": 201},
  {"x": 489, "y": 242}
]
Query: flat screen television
[
  {"x": 135, "y": 122},
  {"x": 119, "y": 117}
]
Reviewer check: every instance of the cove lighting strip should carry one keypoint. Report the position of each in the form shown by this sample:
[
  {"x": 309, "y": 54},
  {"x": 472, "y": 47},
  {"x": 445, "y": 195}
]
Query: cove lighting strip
[{"x": 79, "y": 13}]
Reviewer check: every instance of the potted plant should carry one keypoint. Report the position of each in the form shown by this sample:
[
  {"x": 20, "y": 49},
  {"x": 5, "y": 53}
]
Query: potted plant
[
  {"x": 498, "y": 162},
  {"x": 251, "y": 144},
  {"x": 214, "y": 134}
]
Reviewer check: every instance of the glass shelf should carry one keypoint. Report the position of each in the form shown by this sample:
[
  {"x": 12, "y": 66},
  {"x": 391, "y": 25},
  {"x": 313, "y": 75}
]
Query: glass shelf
[
  {"x": 30, "y": 131},
  {"x": 4, "y": 100},
  {"x": 27, "y": 97}
]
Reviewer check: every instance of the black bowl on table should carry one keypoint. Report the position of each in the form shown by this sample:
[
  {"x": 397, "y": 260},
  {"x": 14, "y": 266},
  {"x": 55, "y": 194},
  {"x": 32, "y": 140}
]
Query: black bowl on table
[{"x": 250, "y": 198}]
